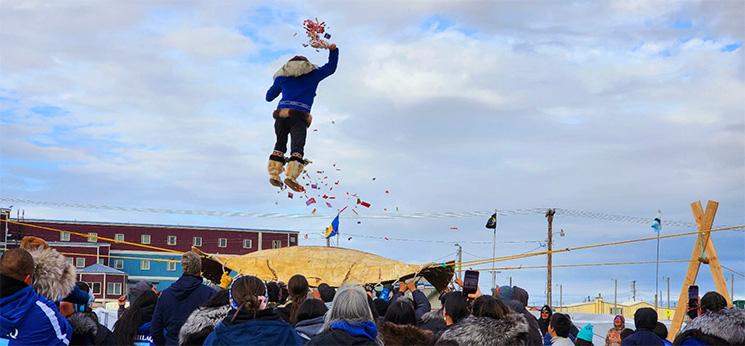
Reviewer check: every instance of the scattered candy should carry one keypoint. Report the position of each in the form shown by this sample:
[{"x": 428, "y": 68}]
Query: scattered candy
[
  {"x": 310, "y": 201},
  {"x": 289, "y": 195}
]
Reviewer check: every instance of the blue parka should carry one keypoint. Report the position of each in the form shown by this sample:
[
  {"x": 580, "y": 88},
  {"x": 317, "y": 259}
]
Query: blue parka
[{"x": 27, "y": 318}]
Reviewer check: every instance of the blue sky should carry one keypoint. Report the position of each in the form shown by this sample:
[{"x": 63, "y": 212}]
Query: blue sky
[{"x": 614, "y": 107}]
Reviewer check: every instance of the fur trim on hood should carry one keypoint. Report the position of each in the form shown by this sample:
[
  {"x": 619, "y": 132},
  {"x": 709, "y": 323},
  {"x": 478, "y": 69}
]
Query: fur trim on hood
[
  {"x": 484, "y": 331},
  {"x": 295, "y": 68},
  {"x": 726, "y": 324},
  {"x": 396, "y": 334},
  {"x": 201, "y": 323},
  {"x": 83, "y": 324},
  {"x": 54, "y": 277}
]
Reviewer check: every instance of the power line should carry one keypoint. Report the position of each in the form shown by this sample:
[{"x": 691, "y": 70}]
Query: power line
[{"x": 384, "y": 216}]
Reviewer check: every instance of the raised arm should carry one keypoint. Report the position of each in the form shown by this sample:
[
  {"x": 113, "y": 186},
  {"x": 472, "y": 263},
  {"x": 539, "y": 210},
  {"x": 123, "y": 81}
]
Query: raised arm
[
  {"x": 330, "y": 67},
  {"x": 273, "y": 91}
]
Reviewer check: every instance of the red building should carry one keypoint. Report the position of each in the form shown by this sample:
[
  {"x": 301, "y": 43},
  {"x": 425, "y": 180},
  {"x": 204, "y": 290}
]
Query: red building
[{"x": 142, "y": 263}]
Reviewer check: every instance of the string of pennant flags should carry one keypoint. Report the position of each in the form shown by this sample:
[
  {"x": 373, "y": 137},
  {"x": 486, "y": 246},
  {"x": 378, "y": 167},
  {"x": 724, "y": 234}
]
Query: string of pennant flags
[{"x": 371, "y": 216}]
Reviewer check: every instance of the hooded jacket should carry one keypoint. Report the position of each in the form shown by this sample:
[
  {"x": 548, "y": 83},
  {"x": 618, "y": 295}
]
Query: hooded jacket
[
  {"x": 28, "y": 318},
  {"x": 486, "y": 331},
  {"x": 87, "y": 331},
  {"x": 724, "y": 327},
  {"x": 543, "y": 325},
  {"x": 613, "y": 337},
  {"x": 175, "y": 305},
  {"x": 265, "y": 328},
  {"x": 397, "y": 334},
  {"x": 200, "y": 324},
  {"x": 345, "y": 333},
  {"x": 298, "y": 80},
  {"x": 309, "y": 328},
  {"x": 645, "y": 320},
  {"x": 534, "y": 330}
]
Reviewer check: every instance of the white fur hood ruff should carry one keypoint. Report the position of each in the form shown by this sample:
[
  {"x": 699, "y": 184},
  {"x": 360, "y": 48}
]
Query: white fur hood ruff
[
  {"x": 295, "y": 68},
  {"x": 54, "y": 277}
]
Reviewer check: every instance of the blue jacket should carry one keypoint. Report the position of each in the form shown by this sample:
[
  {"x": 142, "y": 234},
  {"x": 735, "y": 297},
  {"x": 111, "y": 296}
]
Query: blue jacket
[
  {"x": 27, "y": 318},
  {"x": 266, "y": 329},
  {"x": 175, "y": 305},
  {"x": 644, "y": 337},
  {"x": 298, "y": 92},
  {"x": 421, "y": 303}
]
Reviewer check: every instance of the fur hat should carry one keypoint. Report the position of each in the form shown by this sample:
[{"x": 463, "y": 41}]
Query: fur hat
[
  {"x": 31, "y": 242},
  {"x": 397, "y": 334},
  {"x": 54, "y": 277},
  {"x": 201, "y": 323},
  {"x": 510, "y": 330}
]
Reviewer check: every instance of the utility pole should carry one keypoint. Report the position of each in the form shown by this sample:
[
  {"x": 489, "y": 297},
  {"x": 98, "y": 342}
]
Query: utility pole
[
  {"x": 633, "y": 290},
  {"x": 668, "y": 293},
  {"x": 494, "y": 252},
  {"x": 550, "y": 217},
  {"x": 561, "y": 297},
  {"x": 657, "y": 227},
  {"x": 460, "y": 261},
  {"x": 615, "y": 296},
  {"x": 732, "y": 287},
  {"x": 510, "y": 281}
]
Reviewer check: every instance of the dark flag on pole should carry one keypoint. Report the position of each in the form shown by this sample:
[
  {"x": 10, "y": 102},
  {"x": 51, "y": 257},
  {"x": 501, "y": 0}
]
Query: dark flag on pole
[{"x": 492, "y": 223}]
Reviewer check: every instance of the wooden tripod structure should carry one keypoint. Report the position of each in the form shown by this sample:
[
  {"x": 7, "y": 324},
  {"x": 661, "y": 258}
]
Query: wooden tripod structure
[{"x": 704, "y": 246}]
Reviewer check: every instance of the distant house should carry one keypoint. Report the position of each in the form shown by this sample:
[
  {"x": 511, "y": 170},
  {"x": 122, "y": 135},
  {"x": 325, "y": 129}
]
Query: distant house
[
  {"x": 627, "y": 309},
  {"x": 106, "y": 283},
  {"x": 139, "y": 263}
]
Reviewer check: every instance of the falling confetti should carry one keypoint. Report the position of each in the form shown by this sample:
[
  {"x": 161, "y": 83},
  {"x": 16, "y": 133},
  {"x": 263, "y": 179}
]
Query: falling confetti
[
  {"x": 359, "y": 222},
  {"x": 310, "y": 201},
  {"x": 386, "y": 238},
  {"x": 350, "y": 238},
  {"x": 386, "y": 191},
  {"x": 363, "y": 203},
  {"x": 289, "y": 195},
  {"x": 306, "y": 236},
  {"x": 454, "y": 228},
  {"x": 373, "y": 178},
  {"x": 314, "y": 211},
  {"x": 329, "y": 205}
]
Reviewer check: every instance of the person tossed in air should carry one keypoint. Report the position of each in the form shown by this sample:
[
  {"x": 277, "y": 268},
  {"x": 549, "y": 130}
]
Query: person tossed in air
[{"x": 297, "y": 81}]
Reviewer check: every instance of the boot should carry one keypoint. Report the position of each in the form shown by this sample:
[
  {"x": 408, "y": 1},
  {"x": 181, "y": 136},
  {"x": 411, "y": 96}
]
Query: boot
[
  {"x": 293, "y": 171},
  {"x": 275, "y": 169}
]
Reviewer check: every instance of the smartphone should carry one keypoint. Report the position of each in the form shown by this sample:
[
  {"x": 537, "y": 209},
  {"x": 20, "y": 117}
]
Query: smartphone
[
  {"x": 693, "y": 301},
  {"x": 470, "y": 282}
]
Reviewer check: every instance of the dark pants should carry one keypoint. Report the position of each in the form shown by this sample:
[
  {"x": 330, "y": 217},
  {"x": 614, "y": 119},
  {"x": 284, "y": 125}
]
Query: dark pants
[{"x": 296, "y": 126}]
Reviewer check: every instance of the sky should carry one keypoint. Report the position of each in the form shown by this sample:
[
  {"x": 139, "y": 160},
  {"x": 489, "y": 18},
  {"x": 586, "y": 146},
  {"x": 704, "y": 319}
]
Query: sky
[{"x": 622, "y": 108}]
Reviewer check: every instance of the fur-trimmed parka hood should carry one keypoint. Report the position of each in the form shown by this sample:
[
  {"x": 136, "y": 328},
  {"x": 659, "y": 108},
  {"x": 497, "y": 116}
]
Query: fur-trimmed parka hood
[
  {"x": 396, "y": 334},
  {"x": 484, "y": 331},
  {"x": 201, "y": 323},
  {"x": 726, "y": 324},
  {"x": 54, "y": 277},
  {"x": 295, "y": 68}
]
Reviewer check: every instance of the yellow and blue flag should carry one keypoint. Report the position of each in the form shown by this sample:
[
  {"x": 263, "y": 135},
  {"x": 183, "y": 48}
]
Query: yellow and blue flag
[{"x": 333, "y": 229}]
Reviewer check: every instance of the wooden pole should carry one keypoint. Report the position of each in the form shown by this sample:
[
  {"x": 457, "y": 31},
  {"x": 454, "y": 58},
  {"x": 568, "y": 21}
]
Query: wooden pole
[
  {"x": 704, "y": 245},
  {"x": 550, "y": 216}
]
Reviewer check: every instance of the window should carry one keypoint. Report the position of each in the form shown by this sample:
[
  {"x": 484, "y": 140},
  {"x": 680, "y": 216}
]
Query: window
[
  {"x": 276, "y": 244},
  {"x": 145, "y": 265},
  {"x": 119, "y": 237},
  {"x": 171, "y": 266},
  {"x": 80, "y": 262},
  {"x": 64, "y": 236},
  {"x": 145, "y": 239},
  {"x": 92, "y": 237},
  {"x": 292, "y": 239},
  {"x": 247, "y": 243},
  {"x": 96, "y": 287},
  {"x": 114, "y": 288},
  {"x": 118, "y": 264},
  {"x": 101, "y": 261},
  {"x": 197, "y": 241},
  {"x": 70, "y": 260},
  {"x": 171, "y": 240},
  {"x": 222, "y": 242}
]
